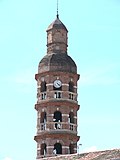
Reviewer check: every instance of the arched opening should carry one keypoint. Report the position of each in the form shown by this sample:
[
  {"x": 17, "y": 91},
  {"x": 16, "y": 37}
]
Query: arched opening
[
  {"x": 43, "y": 117},
  {"x": 71, "y": 86},
  {"x": 43, "y": 120},
  {"x": 43, "y": 149},
  {"x": 71, "y": 117},
  {"x": 57, "y": 118},
  {"x": 43, "y": 89},
  {"x": 71, "y": 89},
  {"x": 43, "y": 86},
  {"x": 58, "y": 148},
  {"x": 71, "y": 148}
]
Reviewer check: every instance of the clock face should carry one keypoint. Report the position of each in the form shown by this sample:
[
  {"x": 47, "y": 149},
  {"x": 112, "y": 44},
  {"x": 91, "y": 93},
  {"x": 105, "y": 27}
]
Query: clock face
[{"x": 57, "y": 83}]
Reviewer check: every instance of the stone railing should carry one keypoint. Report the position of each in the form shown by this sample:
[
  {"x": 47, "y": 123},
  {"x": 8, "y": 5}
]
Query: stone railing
[
  {"x": 66, "y": 95},
  {"x": 58, "y": 126}
]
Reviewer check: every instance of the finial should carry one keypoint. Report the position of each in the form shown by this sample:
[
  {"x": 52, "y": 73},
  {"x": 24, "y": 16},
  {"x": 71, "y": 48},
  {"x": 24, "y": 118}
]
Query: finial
[{"x": 57, "y": 10}]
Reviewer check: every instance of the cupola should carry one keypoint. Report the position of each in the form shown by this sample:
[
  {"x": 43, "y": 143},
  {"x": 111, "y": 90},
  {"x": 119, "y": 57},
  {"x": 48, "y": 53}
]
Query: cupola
[
  {"x": 57, "y": 37},
  {"x": 57, "y": 58}
]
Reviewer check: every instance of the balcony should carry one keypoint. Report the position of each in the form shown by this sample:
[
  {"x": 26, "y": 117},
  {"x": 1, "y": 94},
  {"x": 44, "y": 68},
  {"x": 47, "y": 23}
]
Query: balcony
[
  {"x": 52, "y": 95},
  {"x": 56, "y": 126}
]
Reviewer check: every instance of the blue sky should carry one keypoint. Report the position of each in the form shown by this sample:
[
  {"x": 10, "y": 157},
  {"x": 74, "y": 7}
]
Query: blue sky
[{"x": 94, "y": 44}]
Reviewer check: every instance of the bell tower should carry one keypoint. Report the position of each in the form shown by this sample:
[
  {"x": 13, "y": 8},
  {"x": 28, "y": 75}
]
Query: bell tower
[{"x": 57, "y": 103}]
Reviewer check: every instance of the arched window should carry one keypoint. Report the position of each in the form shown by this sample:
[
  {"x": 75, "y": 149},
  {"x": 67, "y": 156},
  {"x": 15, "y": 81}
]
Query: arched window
[
  {"x": 71, "y": 86},
  {"x": 43, "y": 86},
  {"x": 58, "y": 148},
  {"x": 71, "y": 148},
  {"x": 43, "y": 149},
  {"x": 71, "y": 117}
]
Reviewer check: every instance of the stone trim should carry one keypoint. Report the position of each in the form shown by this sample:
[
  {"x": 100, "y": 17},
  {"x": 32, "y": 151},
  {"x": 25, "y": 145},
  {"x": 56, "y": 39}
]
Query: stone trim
[
  {"x": 50, "y": 147},
  {"x": 49, "y": 84},
  {"x": 62, "y": 147},
  {"x": 67, "y": 115},
  {"x": 75, "y": 87},
  {"x": 65, "y": 147},
  {"x": 65, "y": 84},
  {"x": 51, "y": 115}
]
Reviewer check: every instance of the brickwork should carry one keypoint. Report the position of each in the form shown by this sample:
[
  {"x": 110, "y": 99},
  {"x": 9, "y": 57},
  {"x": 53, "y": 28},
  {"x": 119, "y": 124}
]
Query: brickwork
[
  {"x": 56, "y": 39},
  {"x": 57, "y": 104}
]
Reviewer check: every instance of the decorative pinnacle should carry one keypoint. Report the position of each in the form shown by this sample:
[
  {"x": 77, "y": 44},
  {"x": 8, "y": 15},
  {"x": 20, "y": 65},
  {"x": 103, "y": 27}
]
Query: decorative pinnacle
[{"x": 57, "y": 9}]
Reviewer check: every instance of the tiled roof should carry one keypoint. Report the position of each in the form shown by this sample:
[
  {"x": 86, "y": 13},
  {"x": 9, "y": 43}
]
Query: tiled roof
[
  {"x": 57, "y": 62},
  {"x": 99, "y": 155},
  {"x": 57, "y": 24}
]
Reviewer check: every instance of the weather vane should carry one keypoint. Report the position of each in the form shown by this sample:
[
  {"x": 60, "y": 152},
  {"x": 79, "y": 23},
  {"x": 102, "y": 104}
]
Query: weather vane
[{"x": 57, "y": 9}]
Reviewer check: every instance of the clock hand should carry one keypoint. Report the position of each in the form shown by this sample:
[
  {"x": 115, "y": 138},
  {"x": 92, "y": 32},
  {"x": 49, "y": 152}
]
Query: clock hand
[{"x": 58, "y": 84}]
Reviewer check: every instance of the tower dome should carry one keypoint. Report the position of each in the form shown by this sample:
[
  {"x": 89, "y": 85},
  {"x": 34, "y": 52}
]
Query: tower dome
[
  {"x": 57, "y": 58},
  {"x": 57, "y": 62}
]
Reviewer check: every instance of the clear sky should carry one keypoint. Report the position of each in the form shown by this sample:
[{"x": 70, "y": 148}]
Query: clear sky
[{"x": 94, "y": 44}]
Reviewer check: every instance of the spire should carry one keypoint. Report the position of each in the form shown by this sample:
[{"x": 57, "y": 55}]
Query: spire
[{"x": 57, "y": 9}]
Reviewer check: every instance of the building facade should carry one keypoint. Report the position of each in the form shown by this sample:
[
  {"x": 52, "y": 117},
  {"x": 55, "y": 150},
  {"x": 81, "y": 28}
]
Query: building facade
[{"x": 57, "y": 104}]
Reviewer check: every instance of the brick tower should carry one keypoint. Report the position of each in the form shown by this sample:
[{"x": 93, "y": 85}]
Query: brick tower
[{"x": 57, "y": 104}]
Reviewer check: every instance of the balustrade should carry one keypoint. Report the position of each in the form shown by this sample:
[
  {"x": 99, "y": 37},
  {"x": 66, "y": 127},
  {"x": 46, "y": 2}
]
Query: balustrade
[
  {"x": 57, "y": 95},
  {"x": 57, "y": 126}
]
